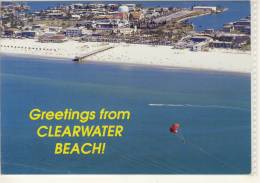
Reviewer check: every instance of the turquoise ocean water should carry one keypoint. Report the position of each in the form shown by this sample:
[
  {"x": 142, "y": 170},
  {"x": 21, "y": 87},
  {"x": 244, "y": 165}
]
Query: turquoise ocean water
[{"x": 213, "y": 109}]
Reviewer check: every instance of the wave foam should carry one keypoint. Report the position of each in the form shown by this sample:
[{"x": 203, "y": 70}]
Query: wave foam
[{"x": 199, "y": 106}]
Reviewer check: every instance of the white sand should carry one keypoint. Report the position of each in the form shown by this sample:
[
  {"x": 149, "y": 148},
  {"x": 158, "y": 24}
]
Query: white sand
[
  {"x": 68, "y": 49},
  {"x": 217, "y": 59}
]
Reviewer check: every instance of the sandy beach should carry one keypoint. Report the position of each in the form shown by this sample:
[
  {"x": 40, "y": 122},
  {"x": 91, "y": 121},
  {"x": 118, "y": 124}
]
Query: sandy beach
[{"x": 163, "y": 56}]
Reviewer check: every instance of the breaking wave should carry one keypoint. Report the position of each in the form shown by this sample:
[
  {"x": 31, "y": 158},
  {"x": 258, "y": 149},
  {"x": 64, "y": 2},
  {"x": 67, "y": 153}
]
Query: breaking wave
[{"x": 200, "y": 106}]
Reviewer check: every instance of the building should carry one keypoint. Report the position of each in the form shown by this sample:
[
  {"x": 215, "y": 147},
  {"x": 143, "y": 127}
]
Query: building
[
  {"x": 221, "y": 44},
  {"x": 38, "y": 27},
  {"x": 125, "y": 30},
  {"x": 198, "y": 39},
  {"x": 136, "y": 16},
  {"x": 55, "y": 29},
  {"x": 243, "y": 29},
  {"x": 123, "y": 12},
  {"x": 77, "y": 6},
  {"x": 228, "y": 28},
  {"x": 28, "y": 34},
  {"x": 10, "y": 32},
  {"x": 102, "y": 17},
  {"x": 73, "y": 32},
  {"x": 209, "y": 31},
  {"x": 75, "y": 17},
  {"x": 111, "y": 24},
  {"x": 230, "y": 40},
  {"x": 201, "y": 46},
  {"x": 87, "y": 23},
  {"x": 123, "y": 9},
  {"x": 52, "y": 38},
  {"x": 236, "y": 38},
  {"x": 243, "y": 26},
  {"x": 243, "y": 22}
]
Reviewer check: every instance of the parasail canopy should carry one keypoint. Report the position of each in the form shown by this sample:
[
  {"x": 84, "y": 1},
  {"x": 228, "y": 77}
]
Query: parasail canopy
[{"x": 174, "y": 128}]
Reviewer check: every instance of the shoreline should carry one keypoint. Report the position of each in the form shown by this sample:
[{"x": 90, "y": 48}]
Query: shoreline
[
  {"x": 132, "y": 65},
  {"x": 43, "y": 57},
  {"x": 194, "y": 16},
  {"x": 135, "y": 54},
  {"x": 167, "y": 68}
]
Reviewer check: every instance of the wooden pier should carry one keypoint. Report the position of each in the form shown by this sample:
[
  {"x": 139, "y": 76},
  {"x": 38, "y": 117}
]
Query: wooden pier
[{"x": 80, "y": 59}]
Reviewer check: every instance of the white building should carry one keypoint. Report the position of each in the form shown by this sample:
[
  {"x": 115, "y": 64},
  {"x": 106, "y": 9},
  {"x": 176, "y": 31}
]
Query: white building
[
  {"x": 123, "y": 9},
  {"x": 75, "y": 17},
  {"x": 73, "y": 32},
  {"x": 54, "y": 29}
]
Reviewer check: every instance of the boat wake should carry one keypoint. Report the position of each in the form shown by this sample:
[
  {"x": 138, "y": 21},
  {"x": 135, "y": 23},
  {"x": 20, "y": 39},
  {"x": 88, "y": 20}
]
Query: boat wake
[{"x": 200, "y": 106}]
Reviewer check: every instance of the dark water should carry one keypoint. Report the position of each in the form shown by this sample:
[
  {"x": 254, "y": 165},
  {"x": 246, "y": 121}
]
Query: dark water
[
  {"x": 236, "y": 10},
  {"x": 213, "y": 109}
]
